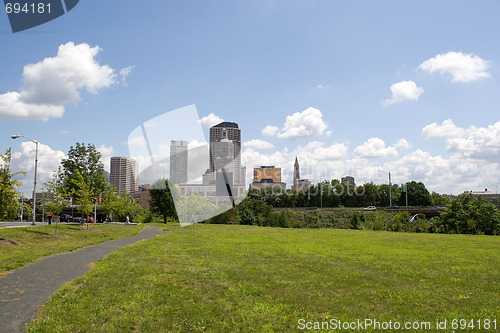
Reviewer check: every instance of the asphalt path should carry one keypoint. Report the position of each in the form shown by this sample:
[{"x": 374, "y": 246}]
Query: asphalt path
[{"x": 25, "y": 289}]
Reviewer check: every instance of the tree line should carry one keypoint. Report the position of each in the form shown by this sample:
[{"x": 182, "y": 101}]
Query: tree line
[{"x": 336, "y": 194}]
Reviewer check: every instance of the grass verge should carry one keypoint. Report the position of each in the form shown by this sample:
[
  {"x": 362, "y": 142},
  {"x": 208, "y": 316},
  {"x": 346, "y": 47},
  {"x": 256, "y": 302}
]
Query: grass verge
[
  {"x": 225, "y": 278},
  {"x": 22, "y": 246}
]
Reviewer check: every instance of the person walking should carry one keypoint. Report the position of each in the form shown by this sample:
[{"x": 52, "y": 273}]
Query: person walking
[{"x": 49, "y": 217}]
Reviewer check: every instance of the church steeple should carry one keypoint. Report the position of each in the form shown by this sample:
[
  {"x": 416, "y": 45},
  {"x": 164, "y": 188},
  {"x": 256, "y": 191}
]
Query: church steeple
[{"x": 296, "y": 172}]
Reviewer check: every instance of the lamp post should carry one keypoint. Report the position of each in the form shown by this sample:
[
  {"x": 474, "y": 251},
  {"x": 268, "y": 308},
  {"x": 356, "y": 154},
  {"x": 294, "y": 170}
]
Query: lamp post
[
  {"x": 36, "y": 166},
  {"x": 390, "y": 187}
]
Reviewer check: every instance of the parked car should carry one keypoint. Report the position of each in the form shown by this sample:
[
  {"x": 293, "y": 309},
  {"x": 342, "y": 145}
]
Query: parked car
[
  {"x": 66, "y": 218},
  {"x": 312, "y": 208},
  {"x": 78, "y": 219},
  {"x": 394, "y": 207},
  {"x": 89, "y": 219},
  {"x": 370, "y": 208}
]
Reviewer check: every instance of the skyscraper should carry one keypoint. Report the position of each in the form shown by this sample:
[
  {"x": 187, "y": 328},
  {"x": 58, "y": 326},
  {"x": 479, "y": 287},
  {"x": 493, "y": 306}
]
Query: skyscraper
[
  {"x": 124, "y": 174},
  {"x": 178, "y": 161},
  {"x": 219, "y": 136}
]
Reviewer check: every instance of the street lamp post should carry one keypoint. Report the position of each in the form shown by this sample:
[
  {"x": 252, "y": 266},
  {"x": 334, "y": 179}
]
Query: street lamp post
[
  {"x": 390, "y": 187},
  {"x": 36, "y": 167}
]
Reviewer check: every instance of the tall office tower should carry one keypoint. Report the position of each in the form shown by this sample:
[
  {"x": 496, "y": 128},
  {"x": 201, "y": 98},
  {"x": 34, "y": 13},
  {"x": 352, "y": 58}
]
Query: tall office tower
[
  {"x": 229, "y": 131},
  {"x": 124, "y": 174},
  {"x": 224, "y": 155},
  {"x": 178, "y": 162}
]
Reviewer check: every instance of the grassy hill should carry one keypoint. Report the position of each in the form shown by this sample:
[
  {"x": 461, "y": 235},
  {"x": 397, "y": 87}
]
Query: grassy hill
[{"x": 225, "y": 278}]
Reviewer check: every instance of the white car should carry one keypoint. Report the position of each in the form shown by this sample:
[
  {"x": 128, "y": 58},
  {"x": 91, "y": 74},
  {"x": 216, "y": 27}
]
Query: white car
[{"x": 370, "y": 208}]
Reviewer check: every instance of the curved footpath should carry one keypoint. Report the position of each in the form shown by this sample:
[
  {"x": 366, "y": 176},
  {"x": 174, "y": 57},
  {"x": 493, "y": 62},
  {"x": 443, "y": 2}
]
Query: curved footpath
[{"x": 25, "y": 289}]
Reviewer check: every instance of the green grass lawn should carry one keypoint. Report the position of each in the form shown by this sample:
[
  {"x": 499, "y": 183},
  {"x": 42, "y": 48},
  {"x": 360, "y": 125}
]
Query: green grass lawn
[
  {"x": 222, "y": 278},
  {"x": 22, "y": 246}
]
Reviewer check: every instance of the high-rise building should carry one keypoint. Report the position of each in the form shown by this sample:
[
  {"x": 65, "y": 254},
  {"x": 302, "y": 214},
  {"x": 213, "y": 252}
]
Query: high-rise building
[
  {"x": 219, "y": 136},
  {"x": 124, "y": 174},
  {"x": 178, "y": 162},
  {"x": 229, "y": 131}
]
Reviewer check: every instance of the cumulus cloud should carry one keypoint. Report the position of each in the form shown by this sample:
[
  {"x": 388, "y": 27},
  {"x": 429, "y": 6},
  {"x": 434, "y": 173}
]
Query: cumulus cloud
[
  {"x": 462, "y": 67},
  {"x": 477, "y": 142},
  {"x": 54, "y": 82},
  {"x": 24, "y": 160},
  {"x": 106, "y": 153},
  {"x": 375, "y": 148},
  {"x": 403, "y": 91},
  {"x": 300, "y": 124},
  {"x": 447, "y": 129},
  {"x": 258, "y": 144},
  {"x": 270, "y": 130},
  {"x": 210, "y": 120},
  {"x": 124, "y": 73},
  {"x": 402, "y": 144}
]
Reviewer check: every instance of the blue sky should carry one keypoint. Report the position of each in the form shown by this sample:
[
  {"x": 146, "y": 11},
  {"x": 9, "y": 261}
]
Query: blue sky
[{"x": 326, "y": 65}]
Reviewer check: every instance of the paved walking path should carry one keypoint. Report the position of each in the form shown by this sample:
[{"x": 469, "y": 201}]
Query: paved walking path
[{"x": 25, "y": 289}]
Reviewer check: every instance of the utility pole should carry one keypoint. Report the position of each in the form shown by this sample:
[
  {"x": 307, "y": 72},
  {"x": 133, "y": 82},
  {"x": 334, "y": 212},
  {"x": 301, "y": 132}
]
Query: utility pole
[{"x": 390, "y": 187}]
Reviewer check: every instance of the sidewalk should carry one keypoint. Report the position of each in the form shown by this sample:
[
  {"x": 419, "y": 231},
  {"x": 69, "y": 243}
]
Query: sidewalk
[{"x": 25, "y": 289}]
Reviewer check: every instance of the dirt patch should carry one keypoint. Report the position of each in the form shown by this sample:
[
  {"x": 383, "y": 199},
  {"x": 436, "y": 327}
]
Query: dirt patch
[{"x": 4, "y": 241}]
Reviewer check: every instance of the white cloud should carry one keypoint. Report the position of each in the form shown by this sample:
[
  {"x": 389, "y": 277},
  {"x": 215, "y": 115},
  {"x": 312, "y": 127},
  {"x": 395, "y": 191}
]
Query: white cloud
[
  {"x": 106, "y": 154},
  {"x": 258, "y": 144},
  {"x": 54, "y": 82},
  {"x": 24, "y": 160},
  {"x": 462, "y": 67},
  {"x": 375, "y": 148},
  {"x": 477, "y": 143},
  {"x": 196, "y": 144},
  {"x": 445, "y": 130},
  {"x": 270, "y": 130},
  {"x": 210, "y": 120},
  {"x": 402, "y": 91},
  {"x": 402, "y": 144},
  {"x": 137, "y": 141},
  {"x": 124, "y": 72},
  {"x": 300, "y": 124}
]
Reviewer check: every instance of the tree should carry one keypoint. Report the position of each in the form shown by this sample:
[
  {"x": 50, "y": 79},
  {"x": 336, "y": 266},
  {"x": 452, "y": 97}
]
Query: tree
[
  {"x": 439, "y": 200},
  {"x": 418, "y": 195},
  {"x": 56, "y": 196},
  {"x": 84, "y": 194},
  {"x": 162, "y": 200},
  {"x": 195, "y": 209},
  {"x": 86, "y": 161},
  {"x": 368, "y": 195},
  {"x": 384, "y": 194},
  {"x": 119, "y": 205},
  {"x": 9, "y": 203},
  {"x": 467, "y": 215}
]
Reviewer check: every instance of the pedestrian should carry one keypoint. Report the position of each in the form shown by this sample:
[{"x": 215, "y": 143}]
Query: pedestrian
[{"x": 49, "y": 217}]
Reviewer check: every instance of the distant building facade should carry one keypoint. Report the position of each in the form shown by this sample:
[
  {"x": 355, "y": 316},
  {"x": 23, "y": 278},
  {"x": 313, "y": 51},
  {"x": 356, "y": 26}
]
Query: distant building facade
[
  {"x": 267, "y": 177},
  {"x": 347, "y": 180},
  {"x": 298, "y": 183},
  {"x": 483, "y": 194},
  {"x": 179, "y": 161},
  {"x": 124, "y": 174}
]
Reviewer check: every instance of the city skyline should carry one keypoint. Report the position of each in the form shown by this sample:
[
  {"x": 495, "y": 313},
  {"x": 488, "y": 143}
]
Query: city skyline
[{"x": 348, "y": 88}]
